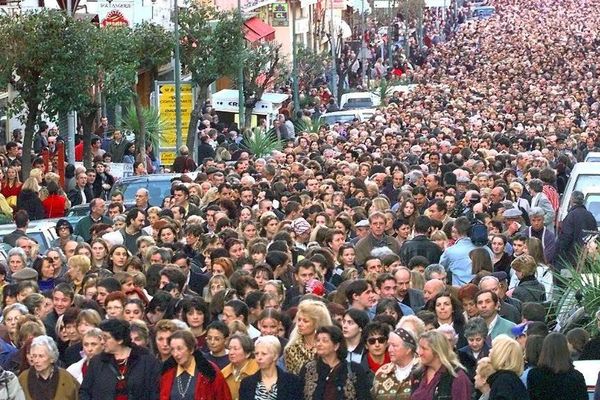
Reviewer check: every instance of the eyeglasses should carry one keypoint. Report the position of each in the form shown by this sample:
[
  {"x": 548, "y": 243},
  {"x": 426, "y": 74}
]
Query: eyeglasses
[{"x": 377, "y": 339}]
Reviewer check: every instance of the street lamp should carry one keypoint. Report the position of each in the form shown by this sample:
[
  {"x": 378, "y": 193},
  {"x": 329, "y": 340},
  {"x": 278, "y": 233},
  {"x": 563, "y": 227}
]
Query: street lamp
[
  {"x": 296, "y": 86},
  {"x": 177, "y": 77},
  {"x": 241, "y": 100}
]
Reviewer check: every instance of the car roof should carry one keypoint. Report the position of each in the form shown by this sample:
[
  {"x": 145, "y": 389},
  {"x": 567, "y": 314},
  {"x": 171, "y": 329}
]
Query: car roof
[
  {"x": 586, "y": 168},
  {"x": 589, "y": 369},
  {"x": 151, "y": 177}
]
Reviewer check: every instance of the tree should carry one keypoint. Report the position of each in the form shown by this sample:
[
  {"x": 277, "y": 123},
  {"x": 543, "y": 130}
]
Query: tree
[
  {"x": 211, "y": 43},
  {"x": 152, "y": 47},
  {"x": 28, "y": 44},
  {"x": 312, "y": 65},
  {"x": 261, "y": 63},
  {"x": 102, "y": 64}
]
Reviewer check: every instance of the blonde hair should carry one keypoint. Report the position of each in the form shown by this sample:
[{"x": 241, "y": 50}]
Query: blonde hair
[
  {"x": 507, "y": 354},
  {"x": 36, "y": 173},
  {"x": 314, "y": 310},
  {"x": 416, "y": 280},
  {"x": 485, "y": 368},
  {"x": 81, "y": 263},
  {"x": 379, "y": 204},
  {"x": 271, "y": 343},
  {"x": 32, "y": 184},
  {"x": 440, "y": 345},
  {"x": 524, "y": 264},
  {"x": 413, "y": 324}
]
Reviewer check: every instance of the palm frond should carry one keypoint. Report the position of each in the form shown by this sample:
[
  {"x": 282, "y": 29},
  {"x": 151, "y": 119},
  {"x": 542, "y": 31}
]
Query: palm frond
[
  {"x": 260, "y": 143},
  {"x": 303, "y": 126},
  {"x": 154, "y": 125},
  {"x": 579, "y": 288}
]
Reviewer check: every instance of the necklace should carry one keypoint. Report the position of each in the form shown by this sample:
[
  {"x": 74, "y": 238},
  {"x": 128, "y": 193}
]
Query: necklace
[
  {"x": 180, "y": 388},
  {"x": 238, "y": 372}
]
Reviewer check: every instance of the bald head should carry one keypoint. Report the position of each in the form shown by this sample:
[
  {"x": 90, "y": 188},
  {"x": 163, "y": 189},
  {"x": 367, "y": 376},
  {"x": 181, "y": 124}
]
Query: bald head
[{"x": 432, "y": 288}]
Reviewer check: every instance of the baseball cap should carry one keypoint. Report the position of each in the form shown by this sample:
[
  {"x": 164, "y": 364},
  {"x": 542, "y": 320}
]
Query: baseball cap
[{"x": 519, "y": 330}]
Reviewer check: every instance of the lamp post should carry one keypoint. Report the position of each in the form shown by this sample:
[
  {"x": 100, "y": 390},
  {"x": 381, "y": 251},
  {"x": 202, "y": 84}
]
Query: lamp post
[
  {"x": 332, "y": 38},
  {"x": 71, "y": 115},
  {"x": 296, "y": 86},
  {"x": 363, "y": 48},
  {"x": 241, "y": 100},
  {"x": 177, "y": 77}
]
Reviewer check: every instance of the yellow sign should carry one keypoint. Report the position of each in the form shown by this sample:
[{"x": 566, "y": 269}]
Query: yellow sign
[{"x": 166, "y": 109}]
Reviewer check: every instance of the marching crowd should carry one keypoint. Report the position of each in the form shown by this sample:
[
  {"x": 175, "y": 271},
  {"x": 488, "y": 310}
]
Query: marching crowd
[{"x": 410, "y": 256}]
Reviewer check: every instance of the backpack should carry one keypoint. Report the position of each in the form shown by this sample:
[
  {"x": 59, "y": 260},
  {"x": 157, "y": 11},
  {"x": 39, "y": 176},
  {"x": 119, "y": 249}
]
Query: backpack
[{"x": 478, "y": 233}]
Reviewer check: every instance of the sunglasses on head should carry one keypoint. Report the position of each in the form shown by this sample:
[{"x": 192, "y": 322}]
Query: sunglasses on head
[{"x": 377, "y": 339}]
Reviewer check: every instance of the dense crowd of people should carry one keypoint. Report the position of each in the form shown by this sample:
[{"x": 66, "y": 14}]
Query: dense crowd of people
[{"x": 410, "y": 256}]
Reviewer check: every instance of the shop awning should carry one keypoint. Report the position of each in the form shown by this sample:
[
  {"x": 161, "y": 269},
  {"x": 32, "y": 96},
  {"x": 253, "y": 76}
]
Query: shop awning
[{"x": 256, "y": 30}]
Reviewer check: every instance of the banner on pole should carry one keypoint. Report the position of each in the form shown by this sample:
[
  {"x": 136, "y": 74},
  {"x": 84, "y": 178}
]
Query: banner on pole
[{"x": 166, "y": 110}]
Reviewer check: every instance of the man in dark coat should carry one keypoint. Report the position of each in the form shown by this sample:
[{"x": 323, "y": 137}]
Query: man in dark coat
[
  {"x": 420, "y": 245},
  {"x": 103, "y": 376},
  {"x": 570, "y": 238},
  {"x": 205, "y": 149},
  {"x": 184, "y": 162},
  {"x": 82, "y": 194}
]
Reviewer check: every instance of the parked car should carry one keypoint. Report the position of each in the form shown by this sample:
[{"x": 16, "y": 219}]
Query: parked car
[
  {"x": 592, "y": 156},
  {"x": 346, "y": 116},
  {"x": 592, "y": 203},
  {"x": 42, "y": 231},
  {"x": 158, "y": 185},
  {"x": 590, "y": 370},
  {"x": 585, "y": 177},
  {"x": 483, "y": 12},
  {"x": 358, "y": 100}
]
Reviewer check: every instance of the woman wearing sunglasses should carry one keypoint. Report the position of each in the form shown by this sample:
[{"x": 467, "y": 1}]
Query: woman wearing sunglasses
[{"x": 394, "y": 379}]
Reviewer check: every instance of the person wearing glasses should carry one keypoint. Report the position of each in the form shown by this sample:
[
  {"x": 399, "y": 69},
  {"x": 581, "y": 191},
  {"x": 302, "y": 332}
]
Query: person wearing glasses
[
  {"x": 375, "y": 336},
  {"x": 393, "y": 380}
]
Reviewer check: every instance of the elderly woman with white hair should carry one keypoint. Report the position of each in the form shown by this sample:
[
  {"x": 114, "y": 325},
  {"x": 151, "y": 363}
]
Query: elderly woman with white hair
[
  {"x": 44, "y": 380},
  {"x": 17, "y": 260},
  {"x": 270, "y": 382},
  {"x": 394, "y": 379}
]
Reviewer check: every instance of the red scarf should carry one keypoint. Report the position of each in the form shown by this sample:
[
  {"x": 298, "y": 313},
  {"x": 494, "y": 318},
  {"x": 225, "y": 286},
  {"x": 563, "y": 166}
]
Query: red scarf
[{"x": 374, "y": 366}]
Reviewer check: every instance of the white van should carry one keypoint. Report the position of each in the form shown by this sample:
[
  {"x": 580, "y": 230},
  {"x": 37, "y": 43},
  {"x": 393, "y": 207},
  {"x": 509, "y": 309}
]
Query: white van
[
  {"x": 346, "y": 116},
  {"x": 585, "y": 177},
  {"x": 358, "y": 100}
]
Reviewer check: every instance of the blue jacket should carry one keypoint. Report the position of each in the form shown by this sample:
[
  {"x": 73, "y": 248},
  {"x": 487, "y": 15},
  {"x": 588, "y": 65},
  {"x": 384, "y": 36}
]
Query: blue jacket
[
  {"x": 456, "y": 260},
  {"x": 6, "y": 352}
]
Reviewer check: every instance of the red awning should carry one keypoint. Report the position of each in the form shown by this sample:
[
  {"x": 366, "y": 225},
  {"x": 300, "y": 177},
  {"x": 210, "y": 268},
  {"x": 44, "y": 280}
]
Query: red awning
[{"x": 256, "y": 30}]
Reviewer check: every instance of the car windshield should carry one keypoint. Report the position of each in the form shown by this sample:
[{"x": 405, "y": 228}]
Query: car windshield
[
  {"x": 587, "y": 183},
  {"x": 592, "y": 203},
  {"x": 39, "y": 238},
  {"x": 332, "y": 119},
  {"x": 592, "y": 159},
  {"x": 159, "y": 189}
]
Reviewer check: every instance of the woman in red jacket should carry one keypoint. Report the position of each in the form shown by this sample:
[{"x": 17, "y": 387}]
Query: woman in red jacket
[
  {"x": 11, "y": 186},
  {"x": 187, "y": 370},
  {"x": 55, "y": 203}
]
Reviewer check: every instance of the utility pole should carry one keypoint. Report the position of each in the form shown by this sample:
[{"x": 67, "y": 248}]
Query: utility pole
[
  {"x": 332, "y": 38},
  {"x": 241, "y": 100},
  {"x": 363, "y": 48},
  {"x": 389, "y": 42},
  {"x": 296, "y": 86},
  {"x": 177, "y": 78},
  {"x": 406, "y": 37},
  {"x": 71, "y": 115}
]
